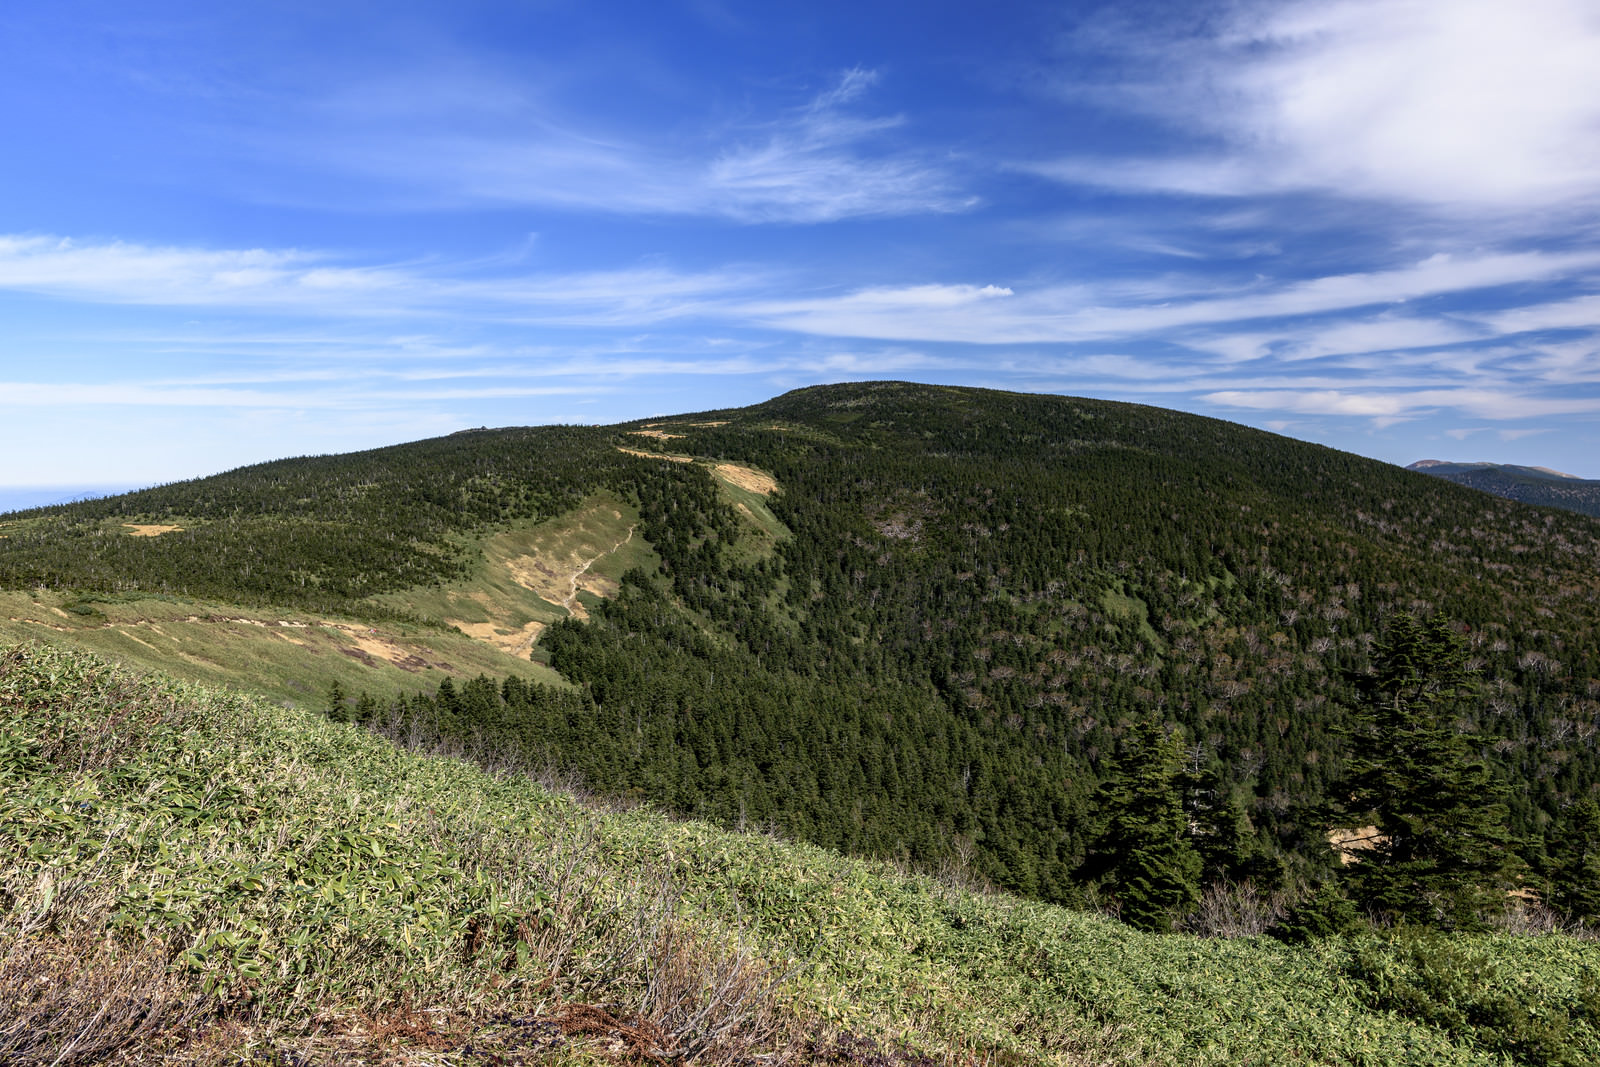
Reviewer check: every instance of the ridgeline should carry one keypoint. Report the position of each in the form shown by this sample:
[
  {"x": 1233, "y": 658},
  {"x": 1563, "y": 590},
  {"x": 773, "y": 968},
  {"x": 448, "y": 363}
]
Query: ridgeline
[{"x": 894, "y": 620}]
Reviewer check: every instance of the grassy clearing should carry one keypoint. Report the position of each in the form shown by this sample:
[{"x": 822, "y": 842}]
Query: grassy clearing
[
  {"x": 289, "y": 656},
  {"x": 763, "y": 529},
  {"x": 528, "y": 576},
  {"x": 525, "y": 578},
  {"x": 215, "y": 878},
  {"x": 1116, "y": 602}
]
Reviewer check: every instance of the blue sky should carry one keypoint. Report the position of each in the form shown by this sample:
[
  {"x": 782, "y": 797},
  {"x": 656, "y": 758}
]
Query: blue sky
[{"x": 234, "y": 232}]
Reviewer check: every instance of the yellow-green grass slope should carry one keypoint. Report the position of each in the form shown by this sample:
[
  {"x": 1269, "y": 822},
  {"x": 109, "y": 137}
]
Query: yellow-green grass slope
[
  {"x": 528, "y": 575},
  {"x": 287, "y": 655},
  {"x": 188, "y": 875},
  {"x": 485, "y": 624}
]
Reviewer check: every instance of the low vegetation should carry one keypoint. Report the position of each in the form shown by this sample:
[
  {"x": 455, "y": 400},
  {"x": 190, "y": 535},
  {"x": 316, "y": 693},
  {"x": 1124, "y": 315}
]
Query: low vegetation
[
  {"x": 192, "y": 876},
  {"x": 918, "y": 623},
  {"x": 289, "y": 655}
]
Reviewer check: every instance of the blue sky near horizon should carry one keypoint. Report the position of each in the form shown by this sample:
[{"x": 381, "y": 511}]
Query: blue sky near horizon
[{"x": 231, "y": 233}]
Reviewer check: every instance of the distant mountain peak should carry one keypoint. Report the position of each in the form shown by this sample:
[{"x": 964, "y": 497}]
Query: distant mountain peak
[
  {"x": 1432, "y": 465},
  {"x": 1531, "y": 485}
]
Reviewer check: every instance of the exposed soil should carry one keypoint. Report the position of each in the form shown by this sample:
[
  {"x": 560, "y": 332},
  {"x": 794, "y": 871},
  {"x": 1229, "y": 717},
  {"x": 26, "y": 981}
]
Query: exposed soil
[
  {"x": 516, "y": 643},
  {"x": 578, "y": 580},
  {"x": 660, "y": 434},
  {"x": 371, "y": 646},
  {"x": 136, "y": 529},
  {"x": 1350, "y": 842},
  {"x": 656, "y": 455},
  {"x": 560, "y": 582},
  {"x": 747, "y": 478},
  {"x": 381, "y": 646}
]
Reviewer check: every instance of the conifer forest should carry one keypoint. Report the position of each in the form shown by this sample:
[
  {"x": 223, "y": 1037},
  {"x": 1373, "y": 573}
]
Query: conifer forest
[{"x": 1091, "y": 653}]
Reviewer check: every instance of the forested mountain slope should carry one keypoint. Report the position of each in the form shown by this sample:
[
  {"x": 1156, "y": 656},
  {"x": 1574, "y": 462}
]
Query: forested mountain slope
[
  {"x": 931, "y": 639},
  {"x": 192, "y": 877},
  {"x": 1531, "y": 485}
]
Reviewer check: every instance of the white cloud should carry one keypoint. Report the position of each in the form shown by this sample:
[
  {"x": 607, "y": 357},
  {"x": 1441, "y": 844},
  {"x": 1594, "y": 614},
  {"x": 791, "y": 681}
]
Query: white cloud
[
  {"x": 1576, "y": 313},
  {"x": 314, "y": 283},
  {"x": 1197, "y": 312},
  {"x": 1465, "y": 104},
  {"x": 1480, "y": 403},
  {"x": 819, "y": 162},
  {"x": 1300, "y": 341},
  {"x": 37, "y": 395},
  {"x": 995, "y": 315}
]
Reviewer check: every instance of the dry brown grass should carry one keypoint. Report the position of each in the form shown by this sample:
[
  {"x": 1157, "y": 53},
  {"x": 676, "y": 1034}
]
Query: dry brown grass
[
  {"x": 1351, "y": 842},
  {"x": 655, "y": 455},
  {"x": 747, "y": 478},
  {"x": 673, "y": 992},
  {"x": 81, "y": 997},
  {"x": 150, "y": 529},
  {"x": 1229, "y": 909}
]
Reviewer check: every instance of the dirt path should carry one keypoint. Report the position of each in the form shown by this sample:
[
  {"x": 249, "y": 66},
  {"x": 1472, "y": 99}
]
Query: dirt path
[
  {"x": 656, "y": 455},
  {"x": 573, "y": 595}
]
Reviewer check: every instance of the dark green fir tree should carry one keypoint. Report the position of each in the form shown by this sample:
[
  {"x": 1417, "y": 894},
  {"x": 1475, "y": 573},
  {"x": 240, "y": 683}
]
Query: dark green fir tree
[
  {"x": 338, "y": 703},
  {"x": 1143, "y": 854},
  {"x": 1575, "y": 866},
  {"x": 1442, "y": 854}
]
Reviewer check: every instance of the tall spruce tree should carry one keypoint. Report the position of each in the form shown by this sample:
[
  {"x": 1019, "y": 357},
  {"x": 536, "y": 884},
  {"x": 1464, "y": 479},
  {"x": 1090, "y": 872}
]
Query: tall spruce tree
[
  {"x": 338, "y": 703},
  {"x": 1575, "y": 872},
  {"x": 1220, "y": 831},
  {"x": 1442, "y": 854},
  {"x": 1143, "y": 854}
]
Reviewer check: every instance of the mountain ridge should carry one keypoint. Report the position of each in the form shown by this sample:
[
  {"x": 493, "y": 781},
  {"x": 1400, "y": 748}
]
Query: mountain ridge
[
  {"x": 1540, "y": 486},
  {"x": 1454, "y": 466},
  {"x": 926, "y": 640}
]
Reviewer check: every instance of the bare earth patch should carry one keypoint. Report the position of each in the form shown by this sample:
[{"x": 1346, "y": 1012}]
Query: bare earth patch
[
  {"x": 516, "y": 643},
  {"x": 656, "y": 455},
  {"x": 1349, "y": 843},
  {"x": 659, "y": 434},
  {"x": 561, "y": 580},
  {"x": 383, "y": 647},
  {"x": 371, "y": 645},
  {"x": 724, "y": 422},
  {"x": 131, "y": 636},
  {"x": 747, "y": 478},
  {"x": 136, "y": 529}
]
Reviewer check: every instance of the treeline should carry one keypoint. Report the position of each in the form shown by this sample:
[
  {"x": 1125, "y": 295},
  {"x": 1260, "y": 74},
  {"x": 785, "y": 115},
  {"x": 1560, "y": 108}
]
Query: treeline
[
  {"x": 325, "y": 533},
  {"x": 1160, "y": 827},
  {"x": 980, "y": 597}
]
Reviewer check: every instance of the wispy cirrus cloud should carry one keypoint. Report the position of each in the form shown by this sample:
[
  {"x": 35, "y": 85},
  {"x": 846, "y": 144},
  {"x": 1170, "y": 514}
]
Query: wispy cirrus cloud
[
  {"x": 141, "y": 395},
  {"x": 1460, "y": 105},
  {"x": 819, "y": 161},
  {"x": 296, "y": 281},
  {"x": 991, "y": 314},
  {"x": 1385, "y": 345},
  {"x": 1399, "y": 404},
  {"x": 1302, "y": 320}
]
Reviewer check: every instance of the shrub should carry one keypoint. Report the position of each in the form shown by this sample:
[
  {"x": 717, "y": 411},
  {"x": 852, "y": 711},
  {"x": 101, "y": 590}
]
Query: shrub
[
  {"x": 1444, "y": 983},
  {"x": 1325, "y": 913}
]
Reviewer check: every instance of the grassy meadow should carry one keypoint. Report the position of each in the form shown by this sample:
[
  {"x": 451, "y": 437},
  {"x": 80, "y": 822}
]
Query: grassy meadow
[
  {"x": 288, "y": 655},
  {"x": 192, "y": 876}
]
